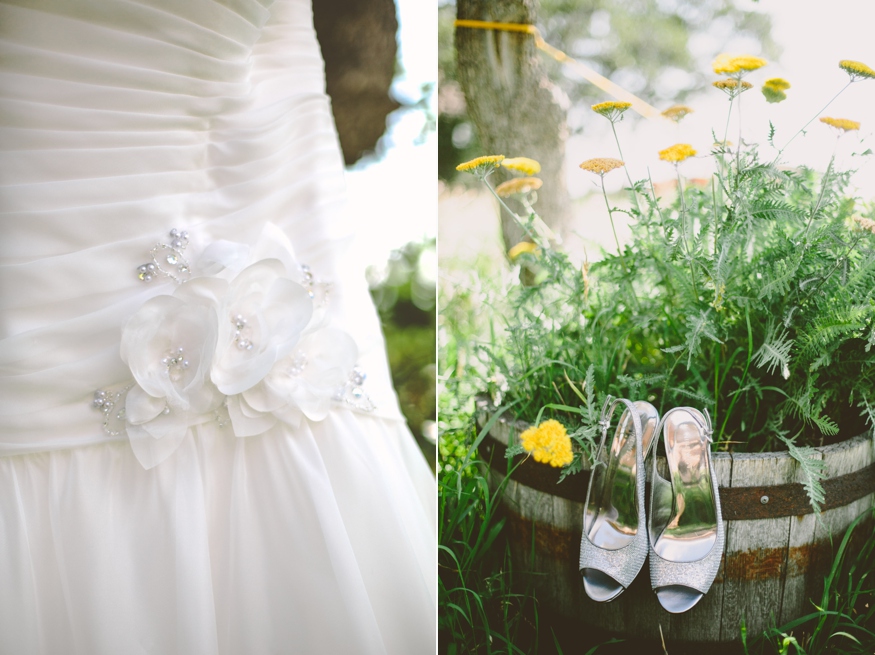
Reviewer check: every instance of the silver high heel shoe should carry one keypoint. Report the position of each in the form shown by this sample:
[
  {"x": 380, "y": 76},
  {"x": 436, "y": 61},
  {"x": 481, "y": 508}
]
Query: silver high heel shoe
[
  {"x": 614, "y": 542},
  {"x": 685, "y": 523}
]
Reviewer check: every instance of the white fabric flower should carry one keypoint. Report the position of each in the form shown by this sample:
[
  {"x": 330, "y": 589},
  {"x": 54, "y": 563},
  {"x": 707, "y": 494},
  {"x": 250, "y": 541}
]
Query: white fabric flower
[
  {"x": 300, "y": 385},
  {"x": 168, "y": 345},
  {"x": 261, "y": 322},
  {"x": 249, "y": 336}
]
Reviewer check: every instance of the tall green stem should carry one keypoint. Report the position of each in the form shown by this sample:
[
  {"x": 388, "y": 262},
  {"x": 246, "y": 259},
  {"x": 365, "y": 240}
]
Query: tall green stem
[
  {"x": 802, "y": 129},
  {"x": 626, "y": 168},
  {"x": 684, "y": 229},
  {"x": 816, "y": 207},
  {"x": 516, "y": 217},
  {"x": 614, "y": 229}
]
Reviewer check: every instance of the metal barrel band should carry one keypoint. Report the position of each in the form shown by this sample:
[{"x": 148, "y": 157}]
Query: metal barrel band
[{"x": 737, "y": 503}]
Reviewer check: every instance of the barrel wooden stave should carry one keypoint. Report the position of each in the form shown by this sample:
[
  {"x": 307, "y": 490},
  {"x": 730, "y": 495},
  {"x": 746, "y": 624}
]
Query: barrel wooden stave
[
  {"x": 797, "y": 584},
  {"x": 775, "y": 565},
  {"x": 755, "y": 551},
  {"x": 840, "y": 459}
]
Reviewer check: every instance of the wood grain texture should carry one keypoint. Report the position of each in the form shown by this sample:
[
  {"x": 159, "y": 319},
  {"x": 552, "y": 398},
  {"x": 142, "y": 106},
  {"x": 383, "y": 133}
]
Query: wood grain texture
[
  {"x": 801, "y": 539},
  {"x": 756, "y": 551},
  {"x": 840, "y": 459}
]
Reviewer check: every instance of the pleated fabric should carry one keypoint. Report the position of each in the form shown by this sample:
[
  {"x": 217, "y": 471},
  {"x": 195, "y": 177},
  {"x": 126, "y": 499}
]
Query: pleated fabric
[{"x": 119, "y": 121}]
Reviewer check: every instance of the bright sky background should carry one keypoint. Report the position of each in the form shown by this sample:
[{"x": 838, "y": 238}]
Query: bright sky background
[
  {"x": 402, "y": 185},
  {"x": 814, "y": 37}
]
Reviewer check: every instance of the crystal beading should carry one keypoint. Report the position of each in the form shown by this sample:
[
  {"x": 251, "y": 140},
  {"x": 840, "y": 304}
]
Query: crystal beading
[
  {"x": 176, "y": 363},
  {"x": 167, "y": 254},
  {"x": 299, "y": 363},
  {"x": 317, "y": 290},
  {"x": 105, "y": 402},
  {"x": 241, "y": 332},
  {"x": 352, "y": 394}
]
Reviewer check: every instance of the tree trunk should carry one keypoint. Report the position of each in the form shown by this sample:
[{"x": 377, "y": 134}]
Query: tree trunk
[
  {"x": 515, "y": 109},
  {"x": 358, "y": 44}
]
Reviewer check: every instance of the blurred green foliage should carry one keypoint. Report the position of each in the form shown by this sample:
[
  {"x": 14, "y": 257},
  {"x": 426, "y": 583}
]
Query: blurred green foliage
[{"x": 404, "y": 292}]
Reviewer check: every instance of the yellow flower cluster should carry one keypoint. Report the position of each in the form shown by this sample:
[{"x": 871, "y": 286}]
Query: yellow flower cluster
[
  {"x": 601, "y": 165},
  {"x": 843, "y": 124},
  {"x": 773, "y": 89},
  {"x": 522, "y": 247},
  {"x": 732, "y": 87},
  {"x": 549, "y": 443},
  {"x": 856, "y": 69},
  {"x": 677, "y": 113},
  {"x": 736, "y": 64},
  {"x": 777, "y": 83},
  {"x": 865, "y": 223},
  {"x": 522, "y": 165},
  {"x": 612, "y": 109},
  {"x": 518, "y": 185},
  {"x": 677, "y": 153},
  {"x": 481, "y": 166}
]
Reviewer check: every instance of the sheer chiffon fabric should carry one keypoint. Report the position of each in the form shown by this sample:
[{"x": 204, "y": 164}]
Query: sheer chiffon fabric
[{"x": 118, "y": 122}]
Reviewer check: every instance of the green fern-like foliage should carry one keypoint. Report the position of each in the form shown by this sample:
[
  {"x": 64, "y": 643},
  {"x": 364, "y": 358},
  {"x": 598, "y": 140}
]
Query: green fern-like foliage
[
  {"x": 752, "y": 297},
  {"x": 813, "y": 471}
]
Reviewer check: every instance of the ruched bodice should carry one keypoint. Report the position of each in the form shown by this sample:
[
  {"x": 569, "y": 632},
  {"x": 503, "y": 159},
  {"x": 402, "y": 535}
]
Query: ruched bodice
[{"x": 121, "y": 121}]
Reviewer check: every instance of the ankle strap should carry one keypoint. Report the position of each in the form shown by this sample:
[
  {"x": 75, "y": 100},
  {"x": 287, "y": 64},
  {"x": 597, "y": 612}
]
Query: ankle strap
[{"x": 706, "y": 427}]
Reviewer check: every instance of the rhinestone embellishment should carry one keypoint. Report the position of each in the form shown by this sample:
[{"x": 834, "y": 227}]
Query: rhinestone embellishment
[
  {"x": 167, "y": 259},
  {"x": 241, "y": 330},
  {"x": 299, "y": 363},
  {"x": 111, "y": 405},
  {"x": 352, "y": 393},
  {"x": 176, "y": 363},
  {"x": 316, "y": 289}
]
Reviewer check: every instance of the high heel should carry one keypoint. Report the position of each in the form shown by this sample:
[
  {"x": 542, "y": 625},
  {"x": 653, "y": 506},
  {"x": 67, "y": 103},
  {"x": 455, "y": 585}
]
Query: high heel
[
  {"x": 613, "y": 546},
  {"x": 685, "y": 522}
]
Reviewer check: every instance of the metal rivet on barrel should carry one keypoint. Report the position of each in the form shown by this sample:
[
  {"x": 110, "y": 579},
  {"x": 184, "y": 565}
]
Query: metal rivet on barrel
[{"x": 764, "y": 500}]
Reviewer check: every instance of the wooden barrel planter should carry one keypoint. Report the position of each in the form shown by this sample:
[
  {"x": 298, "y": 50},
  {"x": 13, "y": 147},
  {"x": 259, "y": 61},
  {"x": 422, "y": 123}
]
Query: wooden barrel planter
[{"x": 777, "y": 551}]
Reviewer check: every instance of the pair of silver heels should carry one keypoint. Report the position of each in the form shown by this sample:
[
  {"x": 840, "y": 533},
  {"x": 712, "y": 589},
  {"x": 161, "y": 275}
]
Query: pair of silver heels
[{"x": 683, "y": 529}]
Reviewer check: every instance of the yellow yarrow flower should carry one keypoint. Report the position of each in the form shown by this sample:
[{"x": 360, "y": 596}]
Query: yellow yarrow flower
[
  {"x": 773, "y": 89},
  {"x": 738, "y": 65},
  {"x": 677, "y": 113},
  {"x": 856, "y": 69},
  {"x": 865, "y": 223},
  {"x": 732, "y": 87},
  {"x": 601, "y": 165},
  {"x": 724, "y": 65},
  {"x": 612, "y": 109},
  {"x": 518, "y": 185},
  {"x": 520, "y": 248},
  {"x": 523, "y": 165},
  {"x": 677, "y": 153},
  {"x": 749, "y": 63},
  {"x": 843, "y": 124},
  {"x": 481, "y": 166},
  {"x": 549, "y": 443},
  {"x": 778, "y": 83}
]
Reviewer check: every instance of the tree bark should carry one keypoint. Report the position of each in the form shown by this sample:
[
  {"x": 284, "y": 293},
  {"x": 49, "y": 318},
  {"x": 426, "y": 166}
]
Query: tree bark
[
  {"x": 358, "y": 44},
  {"x": 515, "y": 109}
]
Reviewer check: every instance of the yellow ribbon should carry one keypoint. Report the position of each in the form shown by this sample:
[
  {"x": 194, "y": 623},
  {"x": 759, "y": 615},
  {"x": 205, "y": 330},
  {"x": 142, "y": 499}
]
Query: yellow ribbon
[{"x": 602, "y": 82}]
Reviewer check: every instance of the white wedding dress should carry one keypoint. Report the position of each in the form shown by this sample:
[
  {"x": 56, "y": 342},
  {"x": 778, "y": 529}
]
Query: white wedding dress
[{"x": 191, "y": 460}]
